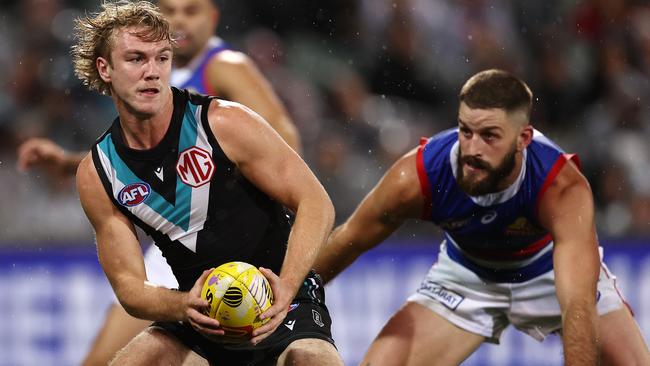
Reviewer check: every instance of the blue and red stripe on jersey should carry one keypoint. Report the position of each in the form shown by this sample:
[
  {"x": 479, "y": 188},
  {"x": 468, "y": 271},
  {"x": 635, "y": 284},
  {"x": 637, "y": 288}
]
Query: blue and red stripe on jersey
[
  {"x": 498, "y": 236},
  {"x": 197, "y": 79}
]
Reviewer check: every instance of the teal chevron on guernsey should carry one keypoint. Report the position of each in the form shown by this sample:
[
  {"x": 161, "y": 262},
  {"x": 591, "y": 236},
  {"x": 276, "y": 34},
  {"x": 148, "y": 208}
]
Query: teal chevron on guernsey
[
  {"x": 189, "y": 131},
  {"x": 178, "y": 214},
  {"x": 180, "y": 220}
]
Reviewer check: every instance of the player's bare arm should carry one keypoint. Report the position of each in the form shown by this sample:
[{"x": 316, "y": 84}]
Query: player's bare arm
[
  {"x": 567, "y": 211},
  {"x": 39, "y": 152},
  {"x": 396, "y": 197},
  {"x": 273, "y": 167},
  {"x": 119, "y": 254},
  {"x": 236, "y": 77}
]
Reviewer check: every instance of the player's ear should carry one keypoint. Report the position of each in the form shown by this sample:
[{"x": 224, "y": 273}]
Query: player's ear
[
  {"x": 525, "y": 137},
  {"x": 215, "y": 17},
  {"x": 104, "y": 69}
]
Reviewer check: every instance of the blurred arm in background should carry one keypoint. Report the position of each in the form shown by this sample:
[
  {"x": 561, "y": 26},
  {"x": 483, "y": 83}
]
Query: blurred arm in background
[{"x": 38, "y": 152}]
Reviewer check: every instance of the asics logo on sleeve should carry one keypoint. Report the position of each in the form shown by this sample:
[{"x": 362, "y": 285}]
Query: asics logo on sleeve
[{"x": 488, "y": 217}]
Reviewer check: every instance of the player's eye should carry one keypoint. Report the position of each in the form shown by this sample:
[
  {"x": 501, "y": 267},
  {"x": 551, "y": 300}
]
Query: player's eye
[{"x": 488, "y": 136}]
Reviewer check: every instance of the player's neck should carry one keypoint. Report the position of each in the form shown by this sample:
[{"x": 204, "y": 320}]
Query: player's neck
[{"x": 143, "y": 132}]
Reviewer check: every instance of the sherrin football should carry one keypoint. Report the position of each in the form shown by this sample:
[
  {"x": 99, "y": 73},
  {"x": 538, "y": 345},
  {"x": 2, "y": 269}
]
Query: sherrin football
[{"x": 238, "y": 293}]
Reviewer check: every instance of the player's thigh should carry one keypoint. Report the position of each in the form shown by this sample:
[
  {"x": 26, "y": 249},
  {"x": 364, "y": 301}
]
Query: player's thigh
[
  {"x": 310, "y": 351},
  {"x": 416, "y": 335},
  {"x": 193, "y": 359},
  {"x": 621, "y": 340},
  {"x": 153, "y": 346},
  {"x": 117, "y": 330}
]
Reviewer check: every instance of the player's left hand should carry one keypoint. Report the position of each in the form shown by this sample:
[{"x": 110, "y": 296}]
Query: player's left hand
[{"x": 282, "y": 297}]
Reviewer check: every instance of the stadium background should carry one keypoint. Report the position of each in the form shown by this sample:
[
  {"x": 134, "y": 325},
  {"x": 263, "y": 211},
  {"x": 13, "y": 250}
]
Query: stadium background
[{"x": 363, "y": 80}]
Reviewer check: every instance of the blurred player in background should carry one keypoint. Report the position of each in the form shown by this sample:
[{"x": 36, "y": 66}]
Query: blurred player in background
[
  {"x": 520, "y": 243},
  {"x": 202, "y": 62},
  {"x": 209, "y": 180}
]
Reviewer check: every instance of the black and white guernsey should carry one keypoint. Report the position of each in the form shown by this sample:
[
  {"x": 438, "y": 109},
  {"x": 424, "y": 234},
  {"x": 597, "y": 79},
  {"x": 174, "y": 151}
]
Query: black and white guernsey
[{"x": 190, "y": 198}]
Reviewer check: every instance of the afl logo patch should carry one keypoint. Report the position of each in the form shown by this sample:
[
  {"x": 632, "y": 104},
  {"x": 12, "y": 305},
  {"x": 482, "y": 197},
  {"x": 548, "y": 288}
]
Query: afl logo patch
[
  {"x": 195, "y": 166},
  {"x": 133, "y": 194}
]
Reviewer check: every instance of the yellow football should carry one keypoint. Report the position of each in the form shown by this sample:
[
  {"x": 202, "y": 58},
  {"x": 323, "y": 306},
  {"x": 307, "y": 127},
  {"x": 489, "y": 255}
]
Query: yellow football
[{"x": 238, "y": 293}]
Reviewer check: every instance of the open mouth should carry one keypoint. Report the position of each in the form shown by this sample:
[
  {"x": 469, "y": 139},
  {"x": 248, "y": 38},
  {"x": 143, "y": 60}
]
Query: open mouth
[
  {"x": 149, "y": 91},
  {"x": 473, "y": 166}
]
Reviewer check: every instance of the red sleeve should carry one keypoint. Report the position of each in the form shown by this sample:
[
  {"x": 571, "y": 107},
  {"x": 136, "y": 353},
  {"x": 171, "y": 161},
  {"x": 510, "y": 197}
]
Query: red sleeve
[
  {"x": 424, "y": 180},
  {"x": 550, "y": 177}
]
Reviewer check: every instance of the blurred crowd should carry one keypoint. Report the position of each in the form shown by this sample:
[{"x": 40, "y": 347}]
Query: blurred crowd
[{"x": 363, "y": 81}]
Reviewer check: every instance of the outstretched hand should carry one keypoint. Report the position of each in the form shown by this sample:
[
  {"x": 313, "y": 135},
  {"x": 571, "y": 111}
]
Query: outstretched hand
[
  {"x": 282, "y": 296},
  {"x": 196, "y": 308},
  {"x": 42, "y": 152}
]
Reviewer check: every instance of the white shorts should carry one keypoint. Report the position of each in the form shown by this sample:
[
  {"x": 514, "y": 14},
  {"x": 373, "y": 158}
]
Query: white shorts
[
  {"x": 460, "y": 296},
  {"x": 158, "y": 271}
]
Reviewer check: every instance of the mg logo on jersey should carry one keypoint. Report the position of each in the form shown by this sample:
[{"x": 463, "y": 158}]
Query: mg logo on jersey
[
  {"x": 133, "y": 194},
  {"x": 195, "y": 166}
]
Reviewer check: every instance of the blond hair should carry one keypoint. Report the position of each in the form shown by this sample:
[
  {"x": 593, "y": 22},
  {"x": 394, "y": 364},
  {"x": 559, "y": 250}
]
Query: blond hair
[{"x": 95, "y": 32}]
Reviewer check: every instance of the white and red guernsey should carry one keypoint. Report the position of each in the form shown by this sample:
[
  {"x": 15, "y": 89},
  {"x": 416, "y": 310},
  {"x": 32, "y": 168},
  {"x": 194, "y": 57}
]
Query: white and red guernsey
[{"x": 498, "y": 235}]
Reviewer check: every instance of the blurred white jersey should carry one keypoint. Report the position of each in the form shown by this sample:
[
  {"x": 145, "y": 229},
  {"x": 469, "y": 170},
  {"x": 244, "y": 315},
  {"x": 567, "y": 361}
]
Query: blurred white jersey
[
  {"x": 156, "y": 267},
  {"x": 158, "y": 271}
]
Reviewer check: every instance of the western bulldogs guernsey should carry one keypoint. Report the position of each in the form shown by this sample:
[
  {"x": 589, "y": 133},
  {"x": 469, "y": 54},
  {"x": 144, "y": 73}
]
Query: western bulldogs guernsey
[
  {"x": 498, "y": 235},
  {"x": 190, "y": 198},
  {"x": 193, "y": 76}
]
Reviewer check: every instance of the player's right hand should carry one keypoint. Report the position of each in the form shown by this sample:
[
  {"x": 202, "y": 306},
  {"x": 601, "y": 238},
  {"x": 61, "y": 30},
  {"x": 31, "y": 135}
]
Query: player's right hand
[
  {"x": 282, "y": 298},
  {"x": 196, "y": 308},
  {"x": 41, "y": 152}
]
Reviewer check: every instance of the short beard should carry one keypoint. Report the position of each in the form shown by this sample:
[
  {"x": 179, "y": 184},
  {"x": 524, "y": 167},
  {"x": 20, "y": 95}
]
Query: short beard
[{"x": 495, "y": 176}]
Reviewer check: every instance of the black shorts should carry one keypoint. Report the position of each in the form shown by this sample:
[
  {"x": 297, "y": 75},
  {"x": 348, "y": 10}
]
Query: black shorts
[{"x": 308, "y": 317}]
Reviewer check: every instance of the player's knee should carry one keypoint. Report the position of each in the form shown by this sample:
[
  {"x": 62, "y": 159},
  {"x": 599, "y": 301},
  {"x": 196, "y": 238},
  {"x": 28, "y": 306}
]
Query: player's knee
[
  {"x": 302, "y": 356},
  {"x": 310, "y": 352}
]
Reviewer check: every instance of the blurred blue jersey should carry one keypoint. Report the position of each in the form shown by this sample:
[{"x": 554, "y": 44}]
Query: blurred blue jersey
[
  {"x": 193, "y": 77},
  {"x": 498, "y": 235}
]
